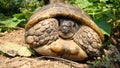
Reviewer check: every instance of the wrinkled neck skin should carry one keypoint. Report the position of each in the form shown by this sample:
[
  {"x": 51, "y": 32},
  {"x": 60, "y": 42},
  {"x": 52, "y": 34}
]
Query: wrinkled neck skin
[{"x": 66, "y": 28}]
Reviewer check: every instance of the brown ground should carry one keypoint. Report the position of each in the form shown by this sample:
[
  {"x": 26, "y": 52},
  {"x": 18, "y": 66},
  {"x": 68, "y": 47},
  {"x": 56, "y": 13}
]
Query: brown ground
[{"x": 17, "y": 36}]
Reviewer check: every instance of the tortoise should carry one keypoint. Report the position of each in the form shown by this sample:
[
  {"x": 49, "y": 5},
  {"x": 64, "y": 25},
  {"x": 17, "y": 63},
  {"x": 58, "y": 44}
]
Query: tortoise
[{"x": 64, "y": 30}]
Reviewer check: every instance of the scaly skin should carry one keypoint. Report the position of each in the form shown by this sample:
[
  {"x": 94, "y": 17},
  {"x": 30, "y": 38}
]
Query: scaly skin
[{"x": 44, "y": 32}]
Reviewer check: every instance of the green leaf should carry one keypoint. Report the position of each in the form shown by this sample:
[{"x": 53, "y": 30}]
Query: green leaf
[
  {"x": 104, "y": 26},
  {"x": 81, "y": 3},
  {"x": 0, "y": 29},
  {"x": 19, "y": 15},
  {"x": 27, "y": 13},
  {"x": 84, "y": 3},
  {"x": 93, "y": 0},
  {"x": 13, "y": 22},
  {"x": 109, "y": 15},
  {"x": 104, "y": 1}
]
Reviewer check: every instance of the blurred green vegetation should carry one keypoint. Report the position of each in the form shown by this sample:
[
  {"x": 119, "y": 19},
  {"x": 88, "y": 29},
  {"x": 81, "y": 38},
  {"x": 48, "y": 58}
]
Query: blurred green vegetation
[
  {"x": 103, "y": 12},
  {"x": 15, "y": 13}
]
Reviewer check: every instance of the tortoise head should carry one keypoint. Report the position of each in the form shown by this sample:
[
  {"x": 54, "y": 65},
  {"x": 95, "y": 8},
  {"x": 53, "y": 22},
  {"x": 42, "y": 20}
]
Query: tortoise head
[{"x": 66, "y": 29}]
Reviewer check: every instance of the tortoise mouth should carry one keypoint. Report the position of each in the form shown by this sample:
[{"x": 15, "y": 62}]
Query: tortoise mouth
[{"x": 66, "y": 35}]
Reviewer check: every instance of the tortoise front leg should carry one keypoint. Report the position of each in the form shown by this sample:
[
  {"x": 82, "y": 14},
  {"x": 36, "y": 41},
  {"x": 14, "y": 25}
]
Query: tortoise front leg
[
  {"x": 88, "y": 40},
  {"x": 44, "y": 32}
]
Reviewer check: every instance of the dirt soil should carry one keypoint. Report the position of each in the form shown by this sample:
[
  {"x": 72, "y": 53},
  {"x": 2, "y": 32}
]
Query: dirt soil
[{"x": 17, "y": 36}]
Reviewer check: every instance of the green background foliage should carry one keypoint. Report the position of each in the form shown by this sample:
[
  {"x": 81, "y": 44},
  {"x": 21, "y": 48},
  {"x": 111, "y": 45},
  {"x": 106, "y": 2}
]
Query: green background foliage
[
  {"x": 15, "y": 13},
  {"x": 103, "y": 12}
]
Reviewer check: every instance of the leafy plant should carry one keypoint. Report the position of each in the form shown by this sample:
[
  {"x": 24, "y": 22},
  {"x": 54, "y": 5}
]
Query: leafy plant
[
  {"x": 101, "y": 11},
  {"x": 11, "y": 23},
  {"x": 106, "y": 62},
  {"x": 15, "y": 13}
]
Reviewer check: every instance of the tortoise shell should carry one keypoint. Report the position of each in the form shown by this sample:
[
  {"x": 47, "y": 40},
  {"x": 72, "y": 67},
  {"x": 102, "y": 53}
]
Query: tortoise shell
[
  {"x": 64, "y": 30},
  {"x": 66, "y": 11}
]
